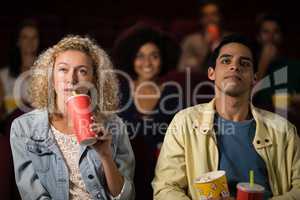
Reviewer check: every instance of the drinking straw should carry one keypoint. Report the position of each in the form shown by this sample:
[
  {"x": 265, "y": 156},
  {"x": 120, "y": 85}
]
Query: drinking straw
[{"x": 251, "y": 175}]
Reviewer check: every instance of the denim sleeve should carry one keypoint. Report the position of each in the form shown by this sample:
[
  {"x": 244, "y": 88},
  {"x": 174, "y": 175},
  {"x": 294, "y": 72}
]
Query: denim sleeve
[
  {"x": 125, "y": 162},
  {"x": 26, "y": 178}
]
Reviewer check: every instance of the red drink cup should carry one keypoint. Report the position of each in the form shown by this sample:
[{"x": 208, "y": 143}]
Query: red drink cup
[
  {"x": 246, "y": 192},
  {"x": 79, "y": 108},
  {"x": 214, "y": 32}
]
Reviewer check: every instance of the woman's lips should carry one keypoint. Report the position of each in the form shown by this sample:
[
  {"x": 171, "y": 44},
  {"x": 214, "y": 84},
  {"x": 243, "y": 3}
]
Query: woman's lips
[
  {"x": 69, "y": 90},
  {"x": 147, "y": 69}
]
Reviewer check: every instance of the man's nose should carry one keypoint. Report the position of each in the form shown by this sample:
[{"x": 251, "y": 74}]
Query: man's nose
[{"x": 235, "y": 66}]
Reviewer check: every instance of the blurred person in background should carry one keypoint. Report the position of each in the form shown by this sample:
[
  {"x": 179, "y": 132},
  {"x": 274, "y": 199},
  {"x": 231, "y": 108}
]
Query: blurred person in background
[
  {"x": 24, "y": 50},
  {"x": 191, "y": 72},
  {"x": 197, "y": 46},
  {"x": 22, "y": 55},
  {"x": 211, "y": 22},
  {"x": 193, "y": 54},
  {"x": 146, "y": 54},
  {"x": 279, "y": 75},
  {"x": 270, "y": 41}
]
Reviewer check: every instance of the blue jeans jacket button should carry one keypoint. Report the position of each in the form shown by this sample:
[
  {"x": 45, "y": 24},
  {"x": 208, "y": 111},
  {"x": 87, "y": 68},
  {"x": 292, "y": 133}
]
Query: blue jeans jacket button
[
  {"x": 90, "y": 176},
  {"x": 99, "y": 196}
]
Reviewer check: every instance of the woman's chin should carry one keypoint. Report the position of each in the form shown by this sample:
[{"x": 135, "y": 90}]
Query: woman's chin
[{"x": 147, "y": 78}]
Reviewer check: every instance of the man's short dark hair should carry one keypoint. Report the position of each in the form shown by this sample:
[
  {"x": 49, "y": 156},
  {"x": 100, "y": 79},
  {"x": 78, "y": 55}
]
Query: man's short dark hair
[{"x": 234, "y": 38}]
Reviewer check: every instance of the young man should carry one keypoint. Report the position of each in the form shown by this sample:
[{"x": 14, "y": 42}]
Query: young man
[{"x": 229, "y": 134}]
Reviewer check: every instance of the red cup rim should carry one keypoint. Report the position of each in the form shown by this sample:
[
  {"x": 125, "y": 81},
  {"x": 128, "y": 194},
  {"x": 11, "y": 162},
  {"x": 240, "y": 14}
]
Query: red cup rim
[
  {"x": 259, "y": 188},
  {"x": 77, "y": 95}
]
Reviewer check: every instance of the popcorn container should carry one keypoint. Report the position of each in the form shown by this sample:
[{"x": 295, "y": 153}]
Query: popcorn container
[{"x": 212, "y": 185}]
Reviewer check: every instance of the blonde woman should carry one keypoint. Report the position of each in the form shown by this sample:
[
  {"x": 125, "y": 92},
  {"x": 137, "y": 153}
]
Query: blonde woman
[{"x": 49, "y": 163}]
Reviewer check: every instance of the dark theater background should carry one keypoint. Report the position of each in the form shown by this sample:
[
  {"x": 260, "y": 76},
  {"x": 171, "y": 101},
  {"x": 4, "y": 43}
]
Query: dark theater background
[{"x": 105, "y": 19}]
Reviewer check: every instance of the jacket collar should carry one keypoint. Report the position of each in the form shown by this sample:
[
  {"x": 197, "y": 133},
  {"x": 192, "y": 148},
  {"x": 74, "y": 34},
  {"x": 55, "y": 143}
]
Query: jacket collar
[
  {"x": 204, "y": 123},
  {"x": 262, "y": 138},
  {"x": 40, "y": 123},
  {"x": 42, "y": 133}
]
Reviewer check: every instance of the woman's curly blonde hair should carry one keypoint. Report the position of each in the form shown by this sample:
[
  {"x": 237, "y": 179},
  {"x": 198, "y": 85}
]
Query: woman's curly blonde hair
[{"x": 41, "y": 85}]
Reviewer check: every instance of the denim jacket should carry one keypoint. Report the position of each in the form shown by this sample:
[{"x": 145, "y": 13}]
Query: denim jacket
[{"x": 41, "y": 172}]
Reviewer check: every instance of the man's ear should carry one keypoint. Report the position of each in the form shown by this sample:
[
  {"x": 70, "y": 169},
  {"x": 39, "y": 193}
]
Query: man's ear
[{"x": 211, "y": 73}]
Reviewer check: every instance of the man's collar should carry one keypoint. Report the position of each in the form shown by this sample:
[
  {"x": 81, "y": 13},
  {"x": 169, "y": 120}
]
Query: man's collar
[{"x": 204, "y": 123}]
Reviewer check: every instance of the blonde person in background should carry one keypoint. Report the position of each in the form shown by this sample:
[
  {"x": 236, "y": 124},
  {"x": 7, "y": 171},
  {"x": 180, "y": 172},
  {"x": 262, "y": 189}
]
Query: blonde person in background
[
  {"x": 49, "y": 163},
  {"x": 193, "y": 55}
]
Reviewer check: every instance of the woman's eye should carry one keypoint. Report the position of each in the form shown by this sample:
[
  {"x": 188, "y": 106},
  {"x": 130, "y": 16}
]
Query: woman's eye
[
  {"x": 83, "y": 71},
  {"x": 155, "y": 56},
  {"x": 62, "y": 69},
  {"x": 140, "y": 56}
]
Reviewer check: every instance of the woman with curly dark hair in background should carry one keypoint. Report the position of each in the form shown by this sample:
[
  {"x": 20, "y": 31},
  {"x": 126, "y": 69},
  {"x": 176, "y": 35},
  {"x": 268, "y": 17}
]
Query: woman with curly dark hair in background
[{"x": 144, "y": 54}]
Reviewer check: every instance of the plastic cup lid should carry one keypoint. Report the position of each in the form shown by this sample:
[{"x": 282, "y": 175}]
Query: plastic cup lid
[{"x": 247, "y": 188}]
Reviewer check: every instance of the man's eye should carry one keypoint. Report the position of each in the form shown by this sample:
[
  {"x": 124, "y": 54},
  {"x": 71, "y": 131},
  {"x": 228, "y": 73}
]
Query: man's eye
[
  {"x": 245, "y": 64},
  {"x": 225, "y": 61}
]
